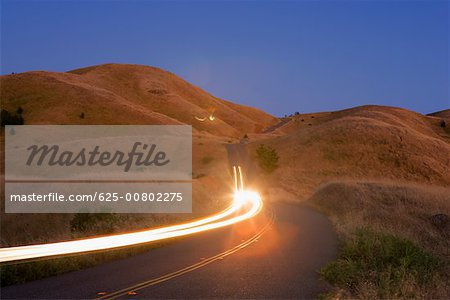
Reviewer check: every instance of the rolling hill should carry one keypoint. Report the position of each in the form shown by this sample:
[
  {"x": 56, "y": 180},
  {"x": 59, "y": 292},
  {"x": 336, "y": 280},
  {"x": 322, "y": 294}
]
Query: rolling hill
[
  {"x": 442, "y": 114},
  {"x": 369, "y": 142},
  {"x": 125, "y": 94}
]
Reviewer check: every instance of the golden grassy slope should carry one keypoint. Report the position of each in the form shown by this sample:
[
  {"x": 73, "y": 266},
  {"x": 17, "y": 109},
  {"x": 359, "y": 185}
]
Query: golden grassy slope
[
  {"x": 404, "y": 211},
  {"x": 124, "y": 94},
  {"x": 441, "y": 114},
  {"x": 363, "y": 142}
]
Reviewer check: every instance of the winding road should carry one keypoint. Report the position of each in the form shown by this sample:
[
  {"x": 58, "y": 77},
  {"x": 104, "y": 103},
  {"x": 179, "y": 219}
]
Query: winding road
[{"x": 276, "y": 254}]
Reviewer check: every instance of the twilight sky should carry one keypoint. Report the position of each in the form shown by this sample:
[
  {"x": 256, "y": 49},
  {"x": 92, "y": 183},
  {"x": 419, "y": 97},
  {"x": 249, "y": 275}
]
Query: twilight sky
[{"x": 280, "y": 56}]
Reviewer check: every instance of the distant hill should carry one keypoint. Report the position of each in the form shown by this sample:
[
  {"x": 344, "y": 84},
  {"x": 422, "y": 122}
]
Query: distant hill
[
  {"x": 370, "y": 142},
  {"x": 125, "y": 94},
  {"x": 442, "y": 114}
]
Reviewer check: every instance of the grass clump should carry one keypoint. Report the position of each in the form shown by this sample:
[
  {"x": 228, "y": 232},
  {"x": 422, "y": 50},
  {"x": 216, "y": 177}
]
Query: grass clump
[
  {"x": 97, "y": 222},
  {"x": 267, "y": 158},
  {"x": 207, "y": 159},
  {"x": 376, "y": 265}
]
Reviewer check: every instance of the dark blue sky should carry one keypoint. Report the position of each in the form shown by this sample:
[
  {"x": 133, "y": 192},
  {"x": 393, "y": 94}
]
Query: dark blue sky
[{"x": 279, "y": 56}]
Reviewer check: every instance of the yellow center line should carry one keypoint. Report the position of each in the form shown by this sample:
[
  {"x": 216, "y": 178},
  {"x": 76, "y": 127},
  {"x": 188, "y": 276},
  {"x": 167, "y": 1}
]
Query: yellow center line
[{"x": 191, "y": 268}]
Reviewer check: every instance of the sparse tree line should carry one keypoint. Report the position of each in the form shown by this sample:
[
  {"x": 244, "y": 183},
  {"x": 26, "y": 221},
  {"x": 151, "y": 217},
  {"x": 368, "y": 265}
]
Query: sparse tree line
[{"x": 291, "y": 115}]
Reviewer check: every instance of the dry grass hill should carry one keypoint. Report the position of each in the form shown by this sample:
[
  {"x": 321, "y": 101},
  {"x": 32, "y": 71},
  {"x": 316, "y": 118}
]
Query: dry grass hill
[
  {"x": 124, "y": 94},
  {"x": 370, "y": 142},
  {"x": 442, "y": 114}
]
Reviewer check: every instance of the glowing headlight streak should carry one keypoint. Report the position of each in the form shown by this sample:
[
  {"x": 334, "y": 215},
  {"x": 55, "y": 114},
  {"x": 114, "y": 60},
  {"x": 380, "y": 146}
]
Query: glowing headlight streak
[
  {"x": 200, "y": 119},
  {"x": 246, "y": 204},
  {"x": 235, "y": 179},
  {"x": 240, "y": 178},
  {"x": 210, "y": 117}
]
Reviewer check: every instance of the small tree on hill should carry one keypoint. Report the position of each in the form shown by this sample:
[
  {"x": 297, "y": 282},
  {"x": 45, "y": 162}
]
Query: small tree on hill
[
  {"x": 267, "y": 158},
  {"x": 9, "y": 119}
]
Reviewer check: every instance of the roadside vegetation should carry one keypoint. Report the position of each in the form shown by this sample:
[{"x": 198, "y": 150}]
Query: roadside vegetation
[
  {"x": 373, "y": 265},
  {"x": 8, "y": 118},
  {"x": 99, "y": 223},
  {"x": 394, "y": 240},
  {"x": 207, "y": 159},
  {"x": 267, "y": 158}
]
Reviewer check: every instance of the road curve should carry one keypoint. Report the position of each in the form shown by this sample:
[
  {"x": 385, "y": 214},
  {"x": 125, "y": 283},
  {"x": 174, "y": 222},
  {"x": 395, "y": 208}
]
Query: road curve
[
  {"x": 274, "y": 255},
  {"x": 281, "y": 263}
]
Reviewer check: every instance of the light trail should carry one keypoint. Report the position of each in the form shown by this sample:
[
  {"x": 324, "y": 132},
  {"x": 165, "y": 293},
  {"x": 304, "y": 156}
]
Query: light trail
[
  {"x": 240, "y": 178},
  {"x": 235, "y": 179},
  {"x": 246, "y": 204},
  {"x": 200, "y": 119},
  {"x": 210, "y": 117}
]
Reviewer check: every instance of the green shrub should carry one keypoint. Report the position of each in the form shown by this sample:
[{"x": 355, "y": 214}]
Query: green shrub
[
  {"x": 385, "y": 262},
  {"x": 267, "y": 158},
  {"x": 207, "y": 159}
]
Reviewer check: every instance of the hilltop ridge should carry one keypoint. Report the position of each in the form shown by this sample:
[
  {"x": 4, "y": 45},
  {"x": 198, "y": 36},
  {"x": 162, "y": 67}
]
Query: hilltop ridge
[{"x": 125, "y": 94}]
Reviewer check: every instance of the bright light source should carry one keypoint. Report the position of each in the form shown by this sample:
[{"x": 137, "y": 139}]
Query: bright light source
[{"x": 245, "y": 197}]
